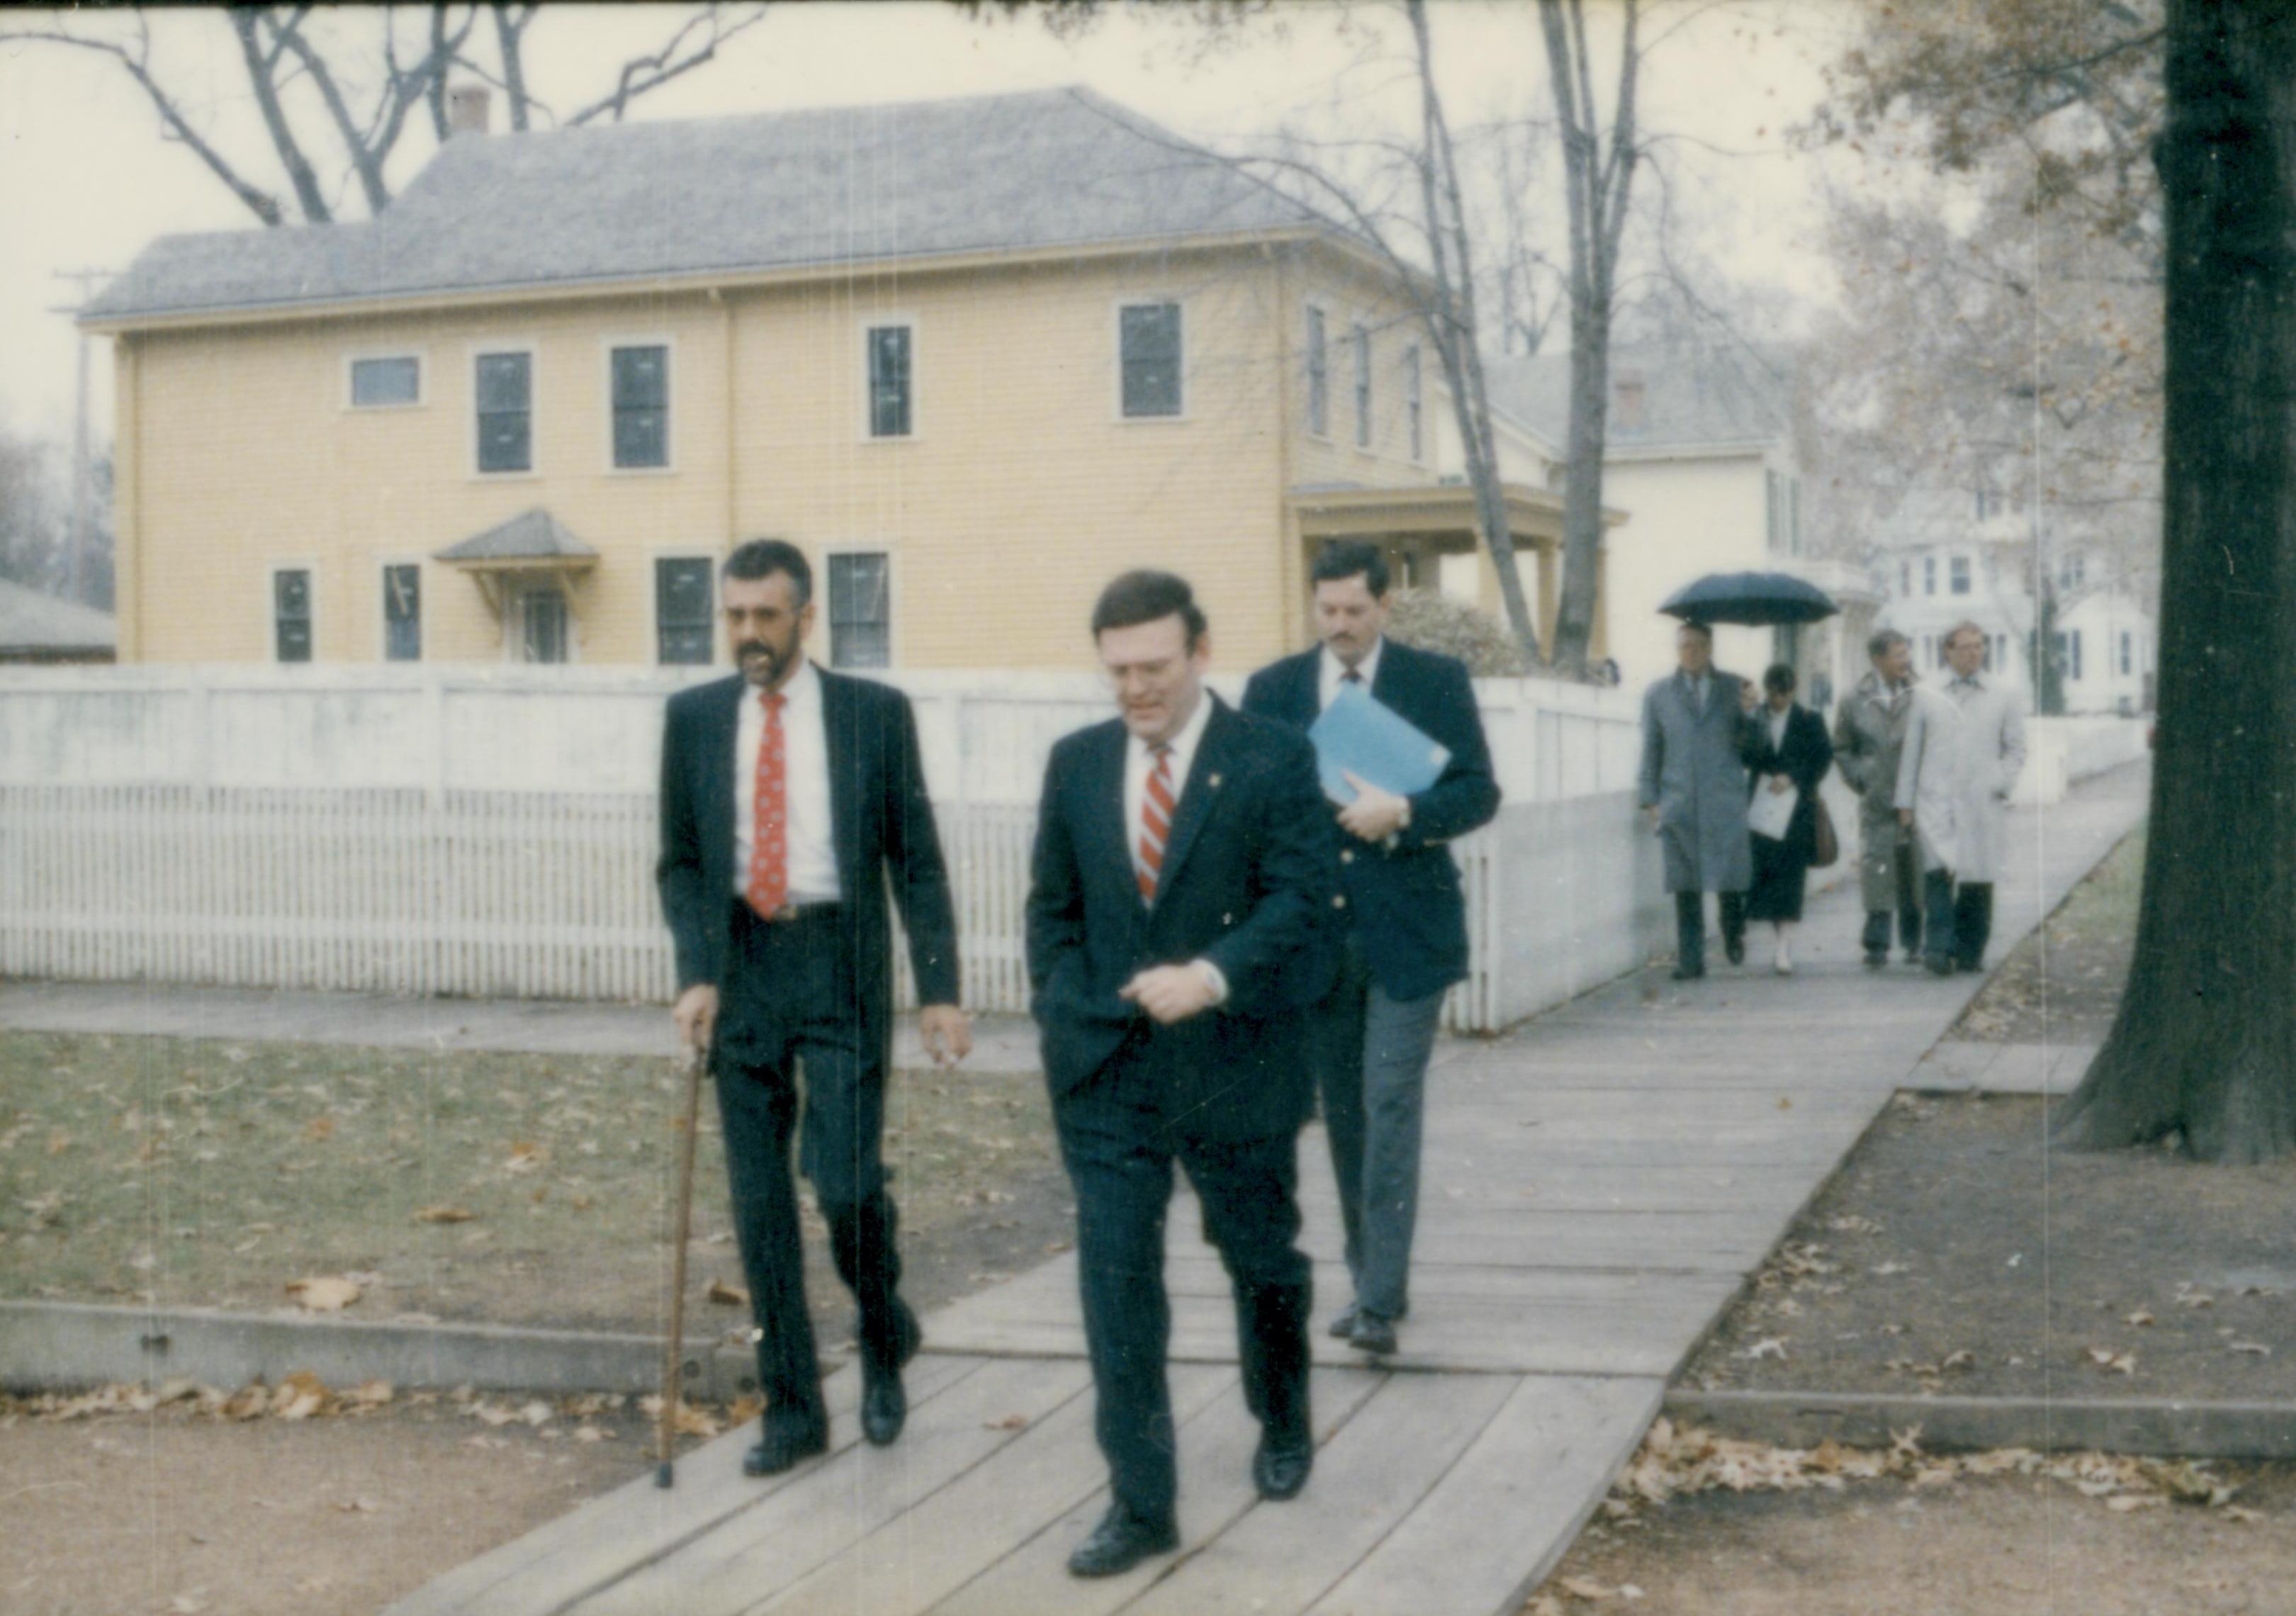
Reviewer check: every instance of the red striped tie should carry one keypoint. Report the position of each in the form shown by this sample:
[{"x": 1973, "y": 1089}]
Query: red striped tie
[{"x": 1155, "y": 823}]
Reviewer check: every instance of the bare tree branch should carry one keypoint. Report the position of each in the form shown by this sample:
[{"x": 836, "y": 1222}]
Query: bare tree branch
[{"x": 642, "y": 74}]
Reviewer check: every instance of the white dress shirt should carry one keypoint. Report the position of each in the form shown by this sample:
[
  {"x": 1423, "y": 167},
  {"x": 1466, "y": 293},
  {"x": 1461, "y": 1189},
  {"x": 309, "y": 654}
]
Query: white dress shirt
[
  {"x": 1330, "y": 674},
  {"x": 1778, "y": 721},
  {"x": 804, "y": 755},
  {"x": 1139, "y": 759}
]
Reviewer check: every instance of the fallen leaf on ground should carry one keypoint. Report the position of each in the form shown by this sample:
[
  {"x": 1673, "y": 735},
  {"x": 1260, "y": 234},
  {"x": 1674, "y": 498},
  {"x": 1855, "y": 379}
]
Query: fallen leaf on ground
[
  {"x": 525, "y": 1156},
  {"x": 2114, "y": 1363},
  {"x": 371, "y": 1394},
  {"x": 1587, "y": 1588},
  {"x": 1770, "y": 1346},
  {"x": 330, "y": 1294},
  {"x": 300, "y": 1395},
  {"x": 729, "y": 1296},
  {"x": 2124, "y": 1503},
  {"x": 444, "y": 1214},
  {"x": 1011, "y": 1422},
  {"x": 2140, "y": 1317},
  {"x": 2256, "y": 1349}
]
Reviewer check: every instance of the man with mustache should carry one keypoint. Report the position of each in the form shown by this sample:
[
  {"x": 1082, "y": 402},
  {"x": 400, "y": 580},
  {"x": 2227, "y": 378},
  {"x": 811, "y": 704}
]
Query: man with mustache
[
  {"x": 789, "y": 796},
  {"x": 1179, "y": 913}
]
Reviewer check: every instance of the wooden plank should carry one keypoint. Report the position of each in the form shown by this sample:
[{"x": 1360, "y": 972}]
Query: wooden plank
[
  {"x": 1215, "y": 1489},
  {"x": 638, "y": 1522},
  {"x": 747, "y": 1559},
  {"x": 1280, "y": 1558},
  {"x": 1500, "y": 1518},
  {"x": 909, "y": 1564}
]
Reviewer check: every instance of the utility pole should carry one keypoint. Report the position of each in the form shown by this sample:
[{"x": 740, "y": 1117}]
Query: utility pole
[{"x": 75, "y": 560}]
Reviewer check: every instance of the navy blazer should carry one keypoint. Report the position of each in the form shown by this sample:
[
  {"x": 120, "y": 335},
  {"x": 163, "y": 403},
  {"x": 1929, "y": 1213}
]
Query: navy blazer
[
  {"x": 1409, "y": 911},
  {"x": 1248, "y": 883},
  {"x": 880, "y": 821}
]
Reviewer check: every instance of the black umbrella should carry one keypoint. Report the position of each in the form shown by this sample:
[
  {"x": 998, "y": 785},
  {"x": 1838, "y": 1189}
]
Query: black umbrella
[{"x": 1756, "y": 599}]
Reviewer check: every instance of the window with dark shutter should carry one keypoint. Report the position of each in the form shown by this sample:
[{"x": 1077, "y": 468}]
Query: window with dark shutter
[
  {"x": 1319, "y": 376},
  {"x": 506, "y": 398},
  {"x": 290, "y": 614},
  {"x": 641, "y": 383},
  {"x": 1359, "y": 340},
  {"x": 681, "y": 610},
  {"x": 1150, "y": 339},
  {"x": 860, "y": 610},
  {"x": 402, "y": 613},
  {"x": 888, "y": 382}
]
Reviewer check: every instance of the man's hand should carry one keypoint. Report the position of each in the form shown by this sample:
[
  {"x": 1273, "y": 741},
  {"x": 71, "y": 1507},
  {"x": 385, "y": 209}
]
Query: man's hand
[
  {"x": 946, "y": 1032},
  {"x": 1780, "y": 783},
  {"x": 696, "y": 1015},
  {"x": 1747, "y": 700},
  {"x": 1171, "y": 993},
  {"x": 1650, "y": 814},
  {"x": 1906, "y": 818},
  {"x": 1374, "y": 815}
]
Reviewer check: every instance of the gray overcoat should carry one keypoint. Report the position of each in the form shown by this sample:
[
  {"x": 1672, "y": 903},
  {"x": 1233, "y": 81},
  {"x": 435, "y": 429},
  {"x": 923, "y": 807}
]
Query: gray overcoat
[
  {"x": 1693, "y": 772},
  {"x": 1869, "y": 738},
  {"x": 1965, "y": 748}
]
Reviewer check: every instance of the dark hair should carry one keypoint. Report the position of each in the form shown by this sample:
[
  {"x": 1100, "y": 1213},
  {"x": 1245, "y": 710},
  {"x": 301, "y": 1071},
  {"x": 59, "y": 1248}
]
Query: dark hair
[
  {"x": 1143, "y": 596},
  {"x": 1347, "y": 558},
  {"x": 1705, "y": 630},
  {"x": 1778, "y": 679},
  {"x": 1884, "y": 642},
  {"x": 758, "y": 558}
]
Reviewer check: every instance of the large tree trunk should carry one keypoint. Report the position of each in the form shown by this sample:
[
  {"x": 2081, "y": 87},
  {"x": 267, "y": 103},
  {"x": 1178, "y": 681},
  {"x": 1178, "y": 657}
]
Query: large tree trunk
[
  {"x": 1582, "y": 484},
  {"x": 2206, "y": 1041}
]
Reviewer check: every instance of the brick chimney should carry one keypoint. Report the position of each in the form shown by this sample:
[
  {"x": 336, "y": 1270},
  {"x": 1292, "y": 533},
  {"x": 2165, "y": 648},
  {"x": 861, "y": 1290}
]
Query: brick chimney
[{"x": 468, "y": 110}]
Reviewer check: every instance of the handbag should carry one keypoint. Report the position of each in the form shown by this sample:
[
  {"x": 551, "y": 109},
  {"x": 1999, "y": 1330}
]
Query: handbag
[{"x": 1828, "y": 850}]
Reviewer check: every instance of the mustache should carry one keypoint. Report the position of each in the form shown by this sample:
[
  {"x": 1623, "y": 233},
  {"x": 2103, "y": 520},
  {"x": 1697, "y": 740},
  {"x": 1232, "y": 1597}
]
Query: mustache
[{"x": 758, "y": 647}]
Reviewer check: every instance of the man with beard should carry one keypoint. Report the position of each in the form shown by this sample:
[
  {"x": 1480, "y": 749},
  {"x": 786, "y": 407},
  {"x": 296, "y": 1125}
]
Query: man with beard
[
  {"x": 789, "y": 795},
  {"x": 1181, "y": 886}
]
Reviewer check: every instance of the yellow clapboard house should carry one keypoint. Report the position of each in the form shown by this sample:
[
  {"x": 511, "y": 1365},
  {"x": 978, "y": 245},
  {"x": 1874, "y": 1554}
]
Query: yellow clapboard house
[{"x": 975, "y": 355}]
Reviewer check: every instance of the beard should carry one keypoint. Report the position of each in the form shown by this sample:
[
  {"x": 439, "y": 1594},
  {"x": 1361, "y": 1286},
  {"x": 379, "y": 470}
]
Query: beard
[{"x": 776, "y": 659}]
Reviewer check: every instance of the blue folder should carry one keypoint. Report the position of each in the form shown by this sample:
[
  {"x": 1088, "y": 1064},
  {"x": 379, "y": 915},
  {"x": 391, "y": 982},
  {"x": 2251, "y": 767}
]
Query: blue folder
[{"x": 1361, "y": 736}]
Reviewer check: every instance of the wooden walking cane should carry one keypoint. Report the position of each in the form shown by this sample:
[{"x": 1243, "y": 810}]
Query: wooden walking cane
[{"x": 673, "y": 1359}]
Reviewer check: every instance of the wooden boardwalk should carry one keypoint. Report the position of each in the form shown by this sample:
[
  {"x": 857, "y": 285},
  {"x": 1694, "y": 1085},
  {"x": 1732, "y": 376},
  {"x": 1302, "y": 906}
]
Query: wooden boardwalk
[{"x": 1598, "y": 1185}]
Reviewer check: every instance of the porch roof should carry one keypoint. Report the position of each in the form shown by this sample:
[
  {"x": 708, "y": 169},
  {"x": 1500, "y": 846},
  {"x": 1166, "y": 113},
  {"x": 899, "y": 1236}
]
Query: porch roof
[
  {"x": 531, "y": 539},
  {"x": 1440, "y": 514}
]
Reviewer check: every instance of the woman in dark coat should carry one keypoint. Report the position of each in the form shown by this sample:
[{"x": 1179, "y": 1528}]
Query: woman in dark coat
[{"x": 1789, "y": 753}]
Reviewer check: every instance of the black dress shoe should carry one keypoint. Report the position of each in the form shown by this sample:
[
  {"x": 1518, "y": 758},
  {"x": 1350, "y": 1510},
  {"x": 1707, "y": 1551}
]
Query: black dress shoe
[
  {"x": 1875, "y": 962},
  {"x": 1688, "y": 973},
  {"x": 1280, "y": 1468},
  {"x": 884, "y": 1402},
  {"x": 1121, "y": 1541},
  {"x": 782, "y": 1446},
  {"x": 1939, "y": 967},
  {"x": 1734, "y": 949},
  {"x": 1373, "y": 1334},
  {"x": 1344, "y": 1326}
]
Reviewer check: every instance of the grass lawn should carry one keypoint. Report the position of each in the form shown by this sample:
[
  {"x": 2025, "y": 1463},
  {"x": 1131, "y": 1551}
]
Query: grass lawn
[{"x": 469, "y": 1186}]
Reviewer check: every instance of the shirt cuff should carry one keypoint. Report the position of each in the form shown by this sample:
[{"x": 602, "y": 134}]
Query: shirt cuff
[{"x": 1217, "y": 980}]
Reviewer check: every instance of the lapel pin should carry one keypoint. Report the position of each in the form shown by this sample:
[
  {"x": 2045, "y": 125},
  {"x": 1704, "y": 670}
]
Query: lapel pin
[{"x": 1213, "y": 782}]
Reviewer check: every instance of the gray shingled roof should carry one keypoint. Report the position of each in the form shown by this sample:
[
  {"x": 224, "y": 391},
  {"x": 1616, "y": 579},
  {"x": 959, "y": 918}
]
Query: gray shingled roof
[
  {"x": 32, "y": 621},
  {"x": 530, "y": 536},
  {"x": 853, "y": 184},
  {"x": 1693, "y": 397}
]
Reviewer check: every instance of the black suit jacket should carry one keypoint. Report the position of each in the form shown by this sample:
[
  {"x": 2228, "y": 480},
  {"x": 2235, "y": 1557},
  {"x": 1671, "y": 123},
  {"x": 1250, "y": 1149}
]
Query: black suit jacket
[
  {"x": 1406, "y": 899},
  {"x": 1803, "y": 758},
  {"x": 880, "y": 821},
  {"x": 1248, "y": 883}
]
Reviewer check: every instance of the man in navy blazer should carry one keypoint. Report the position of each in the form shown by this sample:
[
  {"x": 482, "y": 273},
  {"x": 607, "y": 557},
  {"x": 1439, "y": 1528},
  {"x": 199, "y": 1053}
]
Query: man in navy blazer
[
  {"x": 788, "y": 795},
  {"x": 1406, "y": 941},
  {"x": 1177, "y": 932}
]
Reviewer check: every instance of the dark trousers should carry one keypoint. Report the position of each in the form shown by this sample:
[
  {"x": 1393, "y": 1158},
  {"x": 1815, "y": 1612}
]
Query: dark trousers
[
  {"x": 1905, "y": 869},
  {"x": 1120, "y": 1147},
  {"x": 1938, "y": 931},
  {"x": 1690, "y": 925},
  {"x": 1972, "y": 922},
  {"x": 794, "y": 1058},
  {"x": 1371, "y": 1055}
]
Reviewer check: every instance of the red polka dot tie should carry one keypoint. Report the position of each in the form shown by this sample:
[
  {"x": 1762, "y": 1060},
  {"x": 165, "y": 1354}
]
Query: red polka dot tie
[{"x": 768, "y": 889}]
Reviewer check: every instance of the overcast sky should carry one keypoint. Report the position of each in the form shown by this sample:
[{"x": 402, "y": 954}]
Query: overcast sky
[{"x": 85, "y": 182}]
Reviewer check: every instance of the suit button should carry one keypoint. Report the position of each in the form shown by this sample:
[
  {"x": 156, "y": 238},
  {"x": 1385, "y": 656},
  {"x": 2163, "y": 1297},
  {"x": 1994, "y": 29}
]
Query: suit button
[
  {"x": 1340, "y": 901},
  {"x": 1347, "y": 856}
]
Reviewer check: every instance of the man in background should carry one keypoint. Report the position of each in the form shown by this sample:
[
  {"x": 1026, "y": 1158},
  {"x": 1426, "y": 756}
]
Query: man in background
[
  {"x": 1405, "y": 941},
  {"x": 1964, "y": 748},
  {"x": 1698, "y": 725},
  {"x": 1869, "y": 737}
]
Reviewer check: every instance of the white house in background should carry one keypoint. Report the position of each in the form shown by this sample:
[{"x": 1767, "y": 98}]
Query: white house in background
[
  {"x": 1952, "y": 557},
  {"x": 1701, "y": 463}
]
